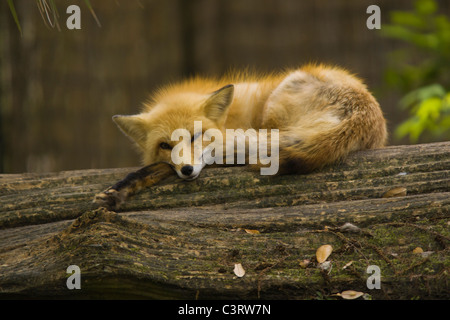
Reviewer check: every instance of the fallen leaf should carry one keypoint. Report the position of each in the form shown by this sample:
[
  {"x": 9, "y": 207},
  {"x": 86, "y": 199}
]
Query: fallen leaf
[
  {"x": 350, "y": 294},
  {"x": 323, "y": 253},
  {"x": 396, "y": 192},
  {"x": 326, "y": 266},
  {"x": 348, "y": 227},
  {"x": 303, "y": 264},
  {"x": 394, "y": 254},
  {"x": 367, "y": 296},
  {"x": 251, "y": 231},
  {"x": 426, "y": 254},
  {"x": 239, "y": 270},
  {"x": 347, "y": 265},
  {"x": 418, "y": 250}
]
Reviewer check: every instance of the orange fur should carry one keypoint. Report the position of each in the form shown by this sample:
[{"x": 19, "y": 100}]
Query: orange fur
[{"x": 322, "y": 114}]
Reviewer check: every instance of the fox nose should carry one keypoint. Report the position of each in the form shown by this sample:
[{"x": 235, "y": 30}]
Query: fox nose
[{"x": 187, "y": 170}]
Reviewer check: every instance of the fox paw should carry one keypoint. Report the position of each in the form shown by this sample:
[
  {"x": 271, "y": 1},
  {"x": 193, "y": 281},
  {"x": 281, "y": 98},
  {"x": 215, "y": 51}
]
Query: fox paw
[{"x": 110, "y": 198}]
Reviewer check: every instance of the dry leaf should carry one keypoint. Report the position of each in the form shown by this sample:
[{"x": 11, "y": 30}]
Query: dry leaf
[
  {"x": 418, "y": 250},
  {"x": 426, "y": 254},
  {"x": 349, "y": 227},
  {"x": 303, "y": 264},
  {"x": 326, "y": 266},
  {"x": 239, "y": 270},
  {"x": 323, "y": 253},
  {"x": 251, "y": 231},
  {"x": 394, "y": 254},
  {"x": 396, "y": 192},
  {"x": 350, "y": 294},
  {"x": 347, "y": 265}
]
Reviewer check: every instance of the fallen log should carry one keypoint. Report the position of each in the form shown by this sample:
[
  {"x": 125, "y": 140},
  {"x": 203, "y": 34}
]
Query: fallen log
[{"x": 387, "y": 208}]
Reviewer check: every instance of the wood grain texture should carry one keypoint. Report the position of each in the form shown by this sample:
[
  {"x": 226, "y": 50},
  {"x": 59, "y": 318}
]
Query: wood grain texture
[{"x": 182, "y": 239}]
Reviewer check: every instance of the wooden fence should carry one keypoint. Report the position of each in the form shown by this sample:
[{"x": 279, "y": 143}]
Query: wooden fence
[{"x": 60, "y": 89}]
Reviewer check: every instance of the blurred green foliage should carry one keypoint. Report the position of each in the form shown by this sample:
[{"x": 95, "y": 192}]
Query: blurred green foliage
[
  {"x": 14, "y": 14},
  {"x": 421, "y": 70}
]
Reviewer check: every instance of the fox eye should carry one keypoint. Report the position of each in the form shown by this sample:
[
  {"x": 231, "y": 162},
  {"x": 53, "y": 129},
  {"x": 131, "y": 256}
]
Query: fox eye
[{"x": 165, "y": 146}]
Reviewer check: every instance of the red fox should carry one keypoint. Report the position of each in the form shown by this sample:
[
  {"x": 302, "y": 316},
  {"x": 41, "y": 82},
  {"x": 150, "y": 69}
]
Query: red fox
[{"x": 321, "y": 114}]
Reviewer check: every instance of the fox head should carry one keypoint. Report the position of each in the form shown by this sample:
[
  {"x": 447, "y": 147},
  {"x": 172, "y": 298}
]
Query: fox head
[{"x": 152, "y": 131}]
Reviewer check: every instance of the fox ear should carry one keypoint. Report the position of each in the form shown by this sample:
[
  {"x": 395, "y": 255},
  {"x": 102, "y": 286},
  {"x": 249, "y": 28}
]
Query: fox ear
[
  {"x": 134, "y": 127},
  {"x": 217, "y": 104}
]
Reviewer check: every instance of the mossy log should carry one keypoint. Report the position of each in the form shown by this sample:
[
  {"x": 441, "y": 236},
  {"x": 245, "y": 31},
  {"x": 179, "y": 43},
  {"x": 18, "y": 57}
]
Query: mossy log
[{"x": 183, "y": 239}]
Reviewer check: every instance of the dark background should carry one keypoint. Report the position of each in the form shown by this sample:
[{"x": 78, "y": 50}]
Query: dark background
[{"x": 59, "y": 89}]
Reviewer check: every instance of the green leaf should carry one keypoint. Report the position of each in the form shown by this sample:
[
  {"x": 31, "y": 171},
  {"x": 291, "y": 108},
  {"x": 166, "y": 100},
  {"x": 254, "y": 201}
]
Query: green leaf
[
  {"x": 429, "y": 109},
  {"x": 425, "y": 7},
  {"x": 421, "y": 69},
  {"x": 421, "y": 94},
  {"x": 396, "y": 31},
  {"x": 88, "y": 4},
  {"x": 14, "y": 14},
  {"x": 412, "y": 126},
  {"x": 415, "y": 131},
  {"x": 446, "y": 103},
  {"x": 49, "y": 13},
  {"x": 408, "y": 19},
  {"x": 444, "y": 125}
]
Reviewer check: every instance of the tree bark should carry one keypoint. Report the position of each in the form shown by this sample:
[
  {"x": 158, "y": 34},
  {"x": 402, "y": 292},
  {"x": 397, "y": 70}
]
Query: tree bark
[{"x": 182, "y": 239}]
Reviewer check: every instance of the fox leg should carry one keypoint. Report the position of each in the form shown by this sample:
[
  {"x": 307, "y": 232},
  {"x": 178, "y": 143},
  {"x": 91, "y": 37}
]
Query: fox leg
[{"x": 115, "y": 196}]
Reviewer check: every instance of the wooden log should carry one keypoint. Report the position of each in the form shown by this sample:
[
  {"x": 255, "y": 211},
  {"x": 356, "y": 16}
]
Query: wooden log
[{"x": 182, "y": 239}]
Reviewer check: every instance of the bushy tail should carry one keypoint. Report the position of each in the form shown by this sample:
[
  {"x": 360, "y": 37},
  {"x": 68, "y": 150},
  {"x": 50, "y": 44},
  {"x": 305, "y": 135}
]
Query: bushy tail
[
  {"x": 323, "y": 115},
  {"x": 300, "y": 153}
]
